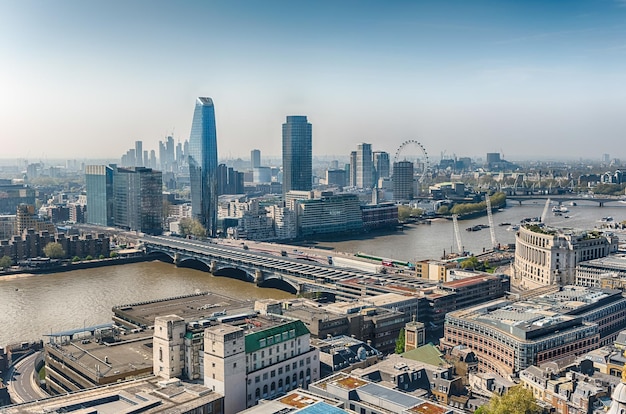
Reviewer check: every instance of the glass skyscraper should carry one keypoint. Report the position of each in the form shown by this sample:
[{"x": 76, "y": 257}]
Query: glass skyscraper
[
  {"x": 297, "y": 154},
  {"x": 99, "y": 181},
  {"x": 364, "y": 166},
  {"x": 203, "y": 165}
]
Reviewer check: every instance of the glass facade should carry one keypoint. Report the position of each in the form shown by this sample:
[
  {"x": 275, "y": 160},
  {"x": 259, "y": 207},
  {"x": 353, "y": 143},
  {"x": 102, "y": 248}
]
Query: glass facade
[
  {"x": 138, "y": 199},
  {"x": 203, "y": 165},
  {"x": 364, "y": 166},
  {"x": 297, "y": 154},
  {"x": 99, "y": 181}
]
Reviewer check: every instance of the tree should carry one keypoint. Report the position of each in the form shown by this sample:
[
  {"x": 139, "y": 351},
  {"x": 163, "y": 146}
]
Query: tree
[
  {"x": 400, "y": 342},
  {"x": 518, "y": 400},
  {"x": 54, "y": 250},
  {"x": 470, "y": 263},
  {"x": 5, "y": 261},
  {"x": 188, "y": 226},
  {"x": 443, "y": 210}
]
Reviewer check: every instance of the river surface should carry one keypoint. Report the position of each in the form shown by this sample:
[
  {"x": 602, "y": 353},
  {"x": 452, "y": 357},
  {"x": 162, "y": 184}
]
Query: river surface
[{"x": 34, "y": 305}]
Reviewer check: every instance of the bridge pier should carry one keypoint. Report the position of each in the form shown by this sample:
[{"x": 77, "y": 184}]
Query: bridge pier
[
  {"x": 258, "y": 276},
  {"x": 213, "y": 266},
  {"x": 177, "y": 259}
]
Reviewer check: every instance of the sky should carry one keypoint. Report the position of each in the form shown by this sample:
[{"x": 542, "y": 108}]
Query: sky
[{"x": 534, "y": 78}]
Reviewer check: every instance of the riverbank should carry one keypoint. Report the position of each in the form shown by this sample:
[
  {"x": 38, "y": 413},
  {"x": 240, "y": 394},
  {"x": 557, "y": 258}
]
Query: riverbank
[{"x": 68, "y": 267}]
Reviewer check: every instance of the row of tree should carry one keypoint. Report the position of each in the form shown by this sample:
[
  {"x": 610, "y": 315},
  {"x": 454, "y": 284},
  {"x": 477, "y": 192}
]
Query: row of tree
[{"x": 497, "y": 200}]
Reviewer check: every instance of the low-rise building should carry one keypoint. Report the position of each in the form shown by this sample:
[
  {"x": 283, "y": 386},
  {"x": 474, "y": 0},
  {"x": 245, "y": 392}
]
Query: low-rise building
[
  {"x": 147, "y": 396},
  {"x": 605, "y": 272},
  {"x": 510, "y": 336},
  {"x": 577, "y": 389},
  {"x": 547, "y": 256},
  {"x": 245, "y": 357},
  {"x": 364, "y": 396},
  {"x": 344, "y": 353}
]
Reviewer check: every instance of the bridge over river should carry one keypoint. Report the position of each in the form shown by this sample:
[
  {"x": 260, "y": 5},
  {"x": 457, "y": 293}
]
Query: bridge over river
[
  {"x": 295, "y": 274},
  {"x": 563, "y": 198}
]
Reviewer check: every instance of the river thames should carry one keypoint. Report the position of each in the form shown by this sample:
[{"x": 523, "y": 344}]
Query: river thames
[{"x": 34, "y": 305}]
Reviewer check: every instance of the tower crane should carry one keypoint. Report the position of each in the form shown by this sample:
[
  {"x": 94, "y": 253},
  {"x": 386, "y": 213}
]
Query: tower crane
[{"x": 492, "y": 229}]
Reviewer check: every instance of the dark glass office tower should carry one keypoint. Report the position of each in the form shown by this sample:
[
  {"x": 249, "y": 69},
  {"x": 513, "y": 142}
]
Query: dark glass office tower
[
  {"x": 99, "y": 180},
  {"x": 297, "y": 154},
  {"x": 203, "y": 165}
]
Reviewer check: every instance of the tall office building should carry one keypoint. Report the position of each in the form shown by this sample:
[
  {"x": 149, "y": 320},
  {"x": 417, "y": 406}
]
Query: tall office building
[
  {"x": 203, "y": 165},
  {"x": 403, "y": 180},
  {"x": 381, "y": 165},
  {"x": 138, "y": 154},
  {"x": 297, "y": 154},
  {"x": 255, "y": 158},
  {"x": 352, "y": 174},
  {"x": 364, "y": 167},
  {"x": 99, "y": 182},
  {"x": 138, "y": 199}
]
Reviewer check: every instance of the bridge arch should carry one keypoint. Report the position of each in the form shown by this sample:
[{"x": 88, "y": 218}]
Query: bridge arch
[
  {"x": 279, "y": 283},
  {"x": 234, "y": 273},
  {"x": 193, "y": 263},
  {"x": 161, "y": 256}
]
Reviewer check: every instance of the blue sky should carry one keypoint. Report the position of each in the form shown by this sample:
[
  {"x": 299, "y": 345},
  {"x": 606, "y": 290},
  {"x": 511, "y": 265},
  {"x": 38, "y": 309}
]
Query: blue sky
[{"x": 84, "y": 79}]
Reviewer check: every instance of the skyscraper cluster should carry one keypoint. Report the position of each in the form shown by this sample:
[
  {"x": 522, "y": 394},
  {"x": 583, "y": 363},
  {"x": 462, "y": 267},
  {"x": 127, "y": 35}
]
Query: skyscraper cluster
[
  {"x": 367, "y": 167},
  {"x": 172, "y": 157}
]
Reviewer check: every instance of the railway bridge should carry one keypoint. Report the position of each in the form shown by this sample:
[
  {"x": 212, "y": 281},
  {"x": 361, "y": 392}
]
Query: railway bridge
[{"x": 296, "y": 275}]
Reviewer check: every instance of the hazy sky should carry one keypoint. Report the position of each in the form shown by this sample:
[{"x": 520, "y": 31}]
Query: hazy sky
[{"x": 84, "y": 79}]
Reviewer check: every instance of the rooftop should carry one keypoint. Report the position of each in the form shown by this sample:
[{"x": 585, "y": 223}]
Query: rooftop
[
  {"x": 131, "y": 354},
  {"x": 614, "y": 262},
  {"x": 145, "y": 396},
  {"x": 189, "y": 307}
]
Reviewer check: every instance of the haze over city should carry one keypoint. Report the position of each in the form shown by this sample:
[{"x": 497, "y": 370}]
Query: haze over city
[{"x": 529, "y": 79}]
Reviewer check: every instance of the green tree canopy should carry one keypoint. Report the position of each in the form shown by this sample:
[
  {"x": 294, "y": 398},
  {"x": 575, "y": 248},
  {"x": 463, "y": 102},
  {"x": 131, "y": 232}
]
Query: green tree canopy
[
  {"x": 54, "y": 250},
  {"x": 188, "y": 226},
  {"x": 5, "y": 261},
  {"x": 400, "y": 342},
  {"x": 518, "y": 400},
  {"x": 404, "y": 212}
]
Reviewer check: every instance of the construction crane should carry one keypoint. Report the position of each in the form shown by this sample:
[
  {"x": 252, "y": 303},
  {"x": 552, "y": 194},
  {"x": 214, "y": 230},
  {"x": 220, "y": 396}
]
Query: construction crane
[
  {"x": 492, "y": 229},
  {"x": 544, "y": 215},
  {"x": 457, "y": 233}
]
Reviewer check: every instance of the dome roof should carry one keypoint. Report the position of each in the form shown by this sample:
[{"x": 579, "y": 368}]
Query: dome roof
[{"x": 618, "y": 406}]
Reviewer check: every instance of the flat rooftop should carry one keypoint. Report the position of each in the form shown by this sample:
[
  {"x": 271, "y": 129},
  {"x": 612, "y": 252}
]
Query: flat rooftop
[
  {"x": 130, "y": 354},
  {"x": 190, "y": 308},
  {"x": 612, "y": 262},
  {"x": 144, "y": 396}
]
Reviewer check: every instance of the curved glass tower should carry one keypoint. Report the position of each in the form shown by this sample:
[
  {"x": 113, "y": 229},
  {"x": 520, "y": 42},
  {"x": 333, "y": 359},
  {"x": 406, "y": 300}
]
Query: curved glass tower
[{"x": 203, "y": 165}]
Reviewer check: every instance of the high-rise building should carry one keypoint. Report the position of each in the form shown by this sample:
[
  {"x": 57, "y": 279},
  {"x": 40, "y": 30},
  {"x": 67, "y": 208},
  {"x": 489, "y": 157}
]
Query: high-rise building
[
  {"x": 138, "y": 199},
  {"x": 381, "y": 165},
  {"x": 403, "y": 180},
  {"x": 364, "y": 167},
  {"x": 138, "y": 154},
  {"x": 297, "y": 154},
  {"x": 352, "y": 165},
  {"x": 203, "y": 165},
  {"x": 255, "y": 158},
  {"x": 99, "y": 181}
]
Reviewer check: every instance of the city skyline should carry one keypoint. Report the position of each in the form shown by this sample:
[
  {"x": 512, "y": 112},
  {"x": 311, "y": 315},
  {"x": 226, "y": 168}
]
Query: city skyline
[{"x": 543, "y": 79}]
